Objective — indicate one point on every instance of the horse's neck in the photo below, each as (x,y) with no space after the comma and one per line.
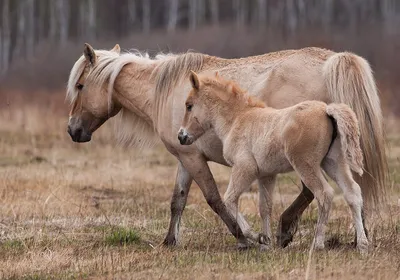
(134,90)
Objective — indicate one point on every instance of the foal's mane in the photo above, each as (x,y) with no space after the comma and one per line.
(233,89)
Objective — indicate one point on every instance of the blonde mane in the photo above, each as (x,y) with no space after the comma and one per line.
(234,89)
(170,73)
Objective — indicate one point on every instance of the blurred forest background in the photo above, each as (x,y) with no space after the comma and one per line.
(41,39)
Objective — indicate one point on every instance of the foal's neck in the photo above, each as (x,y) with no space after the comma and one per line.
(225,115)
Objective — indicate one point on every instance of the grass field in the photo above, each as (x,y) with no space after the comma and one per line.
(96,210)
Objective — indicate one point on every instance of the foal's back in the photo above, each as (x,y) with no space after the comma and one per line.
(279,137)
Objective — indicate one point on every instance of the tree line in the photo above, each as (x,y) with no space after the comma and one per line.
(25,24)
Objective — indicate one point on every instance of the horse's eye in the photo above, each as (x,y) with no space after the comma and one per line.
(189,107)
(79,86)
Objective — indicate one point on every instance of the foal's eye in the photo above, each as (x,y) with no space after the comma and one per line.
(79,86)
(189,107)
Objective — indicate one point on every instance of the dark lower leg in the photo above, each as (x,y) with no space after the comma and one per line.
(178,203)
(290,217)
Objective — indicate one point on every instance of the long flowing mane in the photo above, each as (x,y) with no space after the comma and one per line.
(169,72)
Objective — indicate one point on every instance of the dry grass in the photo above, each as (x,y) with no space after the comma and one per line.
(95,210)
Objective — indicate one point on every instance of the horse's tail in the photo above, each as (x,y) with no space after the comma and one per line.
(349,80)
(349,133)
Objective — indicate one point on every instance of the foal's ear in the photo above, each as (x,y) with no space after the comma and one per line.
(194,80)
(89,54)
(116,49)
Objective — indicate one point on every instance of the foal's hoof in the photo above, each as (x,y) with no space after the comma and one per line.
(362,248)
(284,239)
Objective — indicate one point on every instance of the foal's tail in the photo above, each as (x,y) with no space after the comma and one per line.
(349,80)
(349,133)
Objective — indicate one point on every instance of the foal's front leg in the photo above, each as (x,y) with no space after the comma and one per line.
(241,179)
(178,203)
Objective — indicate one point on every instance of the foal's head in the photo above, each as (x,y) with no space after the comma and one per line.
(91,103)
(209,97)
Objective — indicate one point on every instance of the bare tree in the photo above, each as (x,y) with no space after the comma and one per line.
(6,37)
(192,14)
(214,11)
(63,13)
(173,15)
(146,21)
(262,12)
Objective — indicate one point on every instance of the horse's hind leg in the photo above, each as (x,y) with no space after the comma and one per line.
(341,174)
(323,192)
(266,188)
(290,217)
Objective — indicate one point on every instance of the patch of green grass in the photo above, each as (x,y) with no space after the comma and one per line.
(121,236)
(66,275)
(14,244)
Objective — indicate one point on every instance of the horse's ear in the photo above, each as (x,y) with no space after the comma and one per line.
(89,54)
(194,80)
(116,49)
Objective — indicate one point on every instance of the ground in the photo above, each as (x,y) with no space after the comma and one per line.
(99,211)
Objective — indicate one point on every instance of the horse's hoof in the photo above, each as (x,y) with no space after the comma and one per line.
(264,239)
(243,246)
(169,242)
(284,240)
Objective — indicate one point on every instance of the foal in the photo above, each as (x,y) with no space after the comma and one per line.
(261,142)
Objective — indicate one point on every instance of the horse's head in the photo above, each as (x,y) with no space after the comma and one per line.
(92,102)
(196,120)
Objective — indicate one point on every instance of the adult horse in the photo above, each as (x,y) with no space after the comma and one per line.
(148,95)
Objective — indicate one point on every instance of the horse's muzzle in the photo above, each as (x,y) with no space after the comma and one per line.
(79,134)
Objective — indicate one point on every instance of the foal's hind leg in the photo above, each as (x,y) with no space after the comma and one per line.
(323,192)
(341,174)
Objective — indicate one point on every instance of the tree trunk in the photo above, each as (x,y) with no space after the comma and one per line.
(262,13)
(214,12)
(63,13)
(173,15)
(146,16)
(21,27)
(192,14)
(30,32)
(6,37)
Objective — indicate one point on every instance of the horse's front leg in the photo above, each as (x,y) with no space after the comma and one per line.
(289,220)
(178,203)
(198,168)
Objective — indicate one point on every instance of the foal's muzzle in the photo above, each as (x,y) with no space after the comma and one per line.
(183,137)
